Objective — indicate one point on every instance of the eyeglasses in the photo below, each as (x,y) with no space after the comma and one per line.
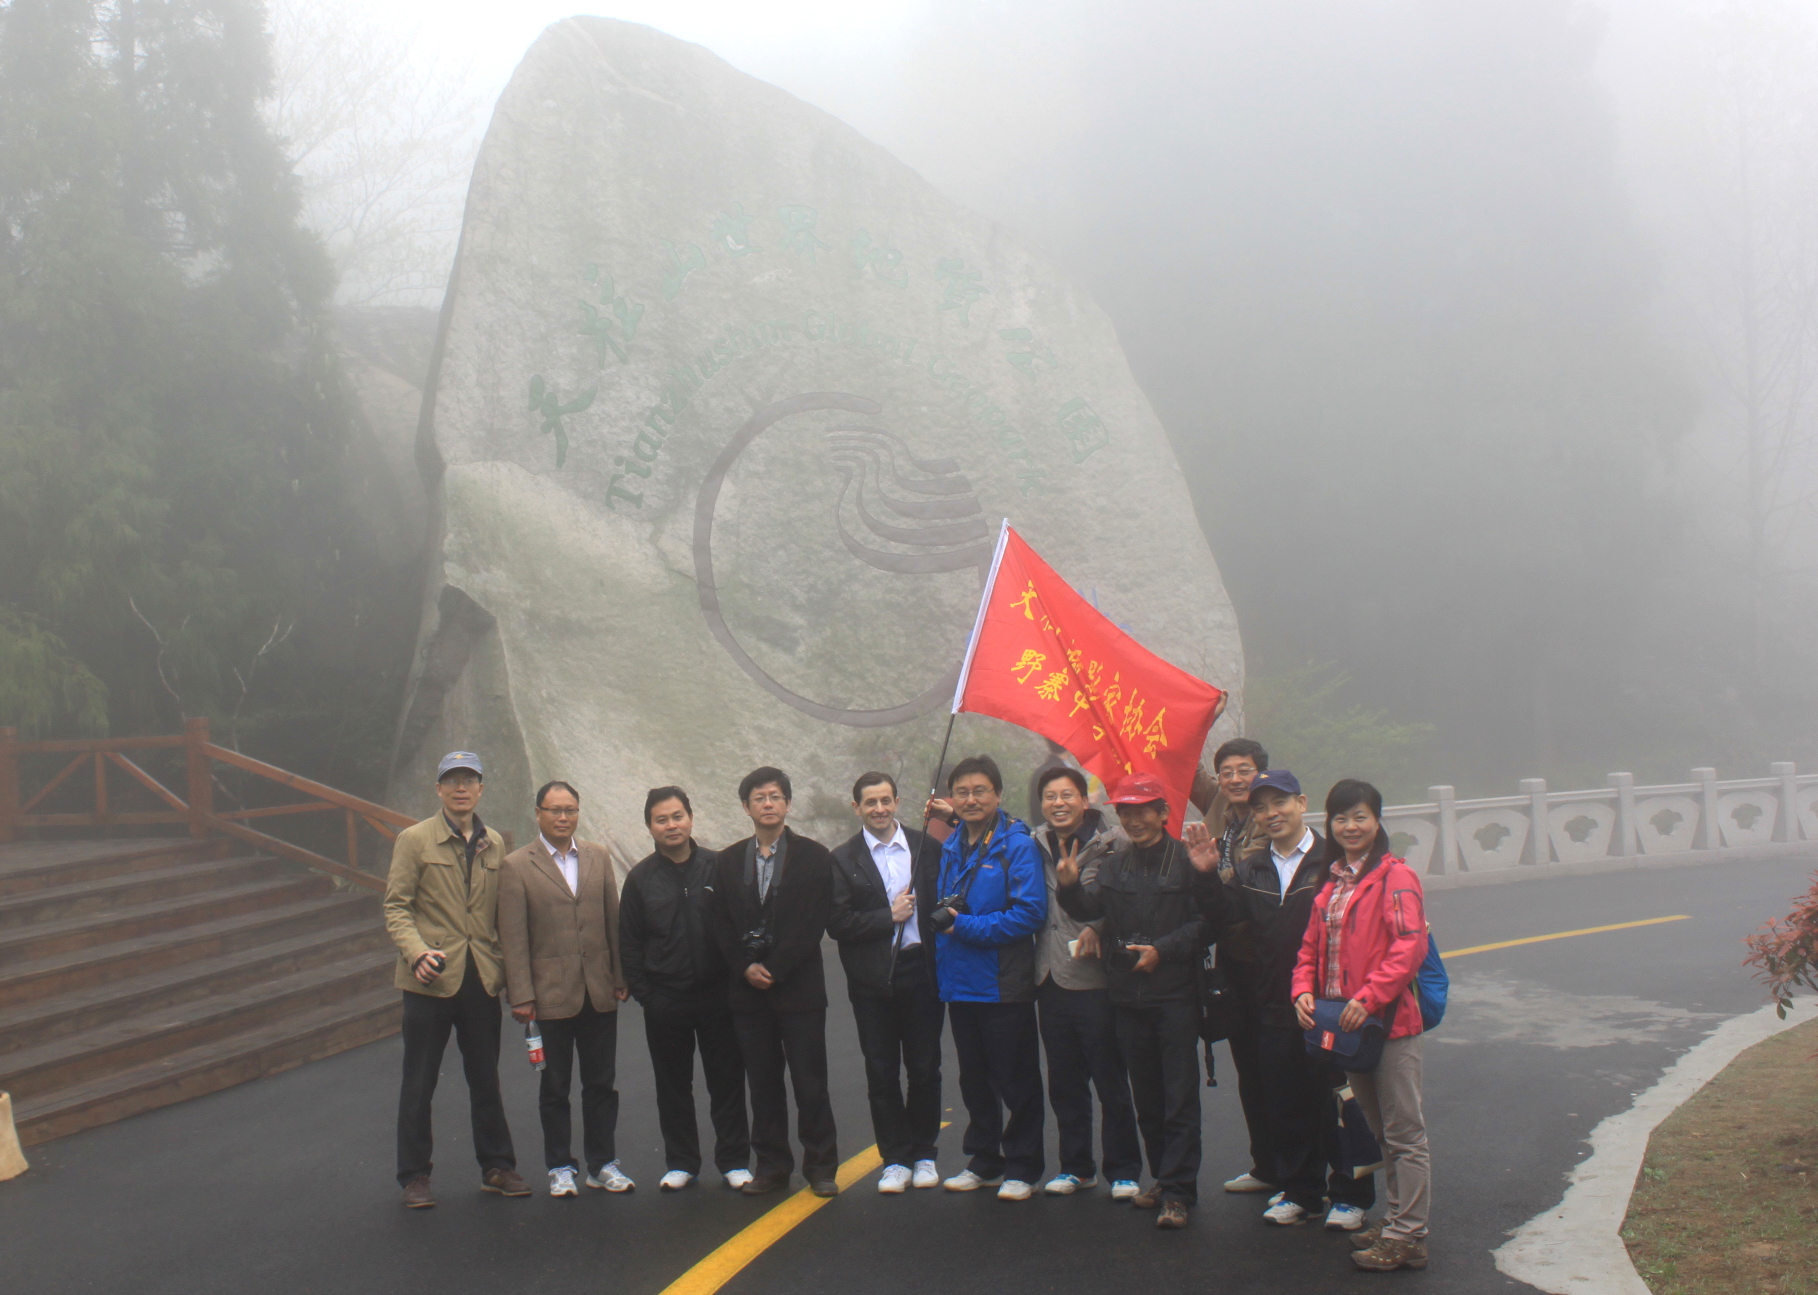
(460,782)
(559,811)
(1237,774)
(768,798)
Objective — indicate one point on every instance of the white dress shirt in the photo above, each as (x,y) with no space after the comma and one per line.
(569,863)
(1286,865)
(893,865)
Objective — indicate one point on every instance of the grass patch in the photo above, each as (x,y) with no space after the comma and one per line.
(1727,1200)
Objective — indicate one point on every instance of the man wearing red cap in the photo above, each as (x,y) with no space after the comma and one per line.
(1158,907)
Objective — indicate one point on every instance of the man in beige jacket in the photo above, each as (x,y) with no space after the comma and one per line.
(441,906)
(559,928)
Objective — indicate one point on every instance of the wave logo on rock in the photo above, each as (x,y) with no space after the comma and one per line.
(925,508)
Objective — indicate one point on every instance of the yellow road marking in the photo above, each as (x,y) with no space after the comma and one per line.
(729,1260)
(1562,935)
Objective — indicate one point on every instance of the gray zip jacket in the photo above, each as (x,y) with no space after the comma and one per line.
(1099,835)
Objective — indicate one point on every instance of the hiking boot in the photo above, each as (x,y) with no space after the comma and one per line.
(417,1195)
(504,1182)
(1367,1237)
(1173,1215)
(1149,1200)
(1390,1253)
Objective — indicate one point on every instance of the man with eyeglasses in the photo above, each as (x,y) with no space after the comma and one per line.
(558,926)
(772,900)
(441,910)
(1236,833)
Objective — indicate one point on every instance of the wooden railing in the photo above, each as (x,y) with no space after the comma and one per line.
(195,809)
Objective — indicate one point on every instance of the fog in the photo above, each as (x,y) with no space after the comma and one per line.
(1484,333)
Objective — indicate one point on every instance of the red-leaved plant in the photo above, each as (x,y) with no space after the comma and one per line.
(1785,953)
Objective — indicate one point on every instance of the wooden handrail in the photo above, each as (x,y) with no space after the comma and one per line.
(150,783)
(297,782)
(91,744)
(285,849)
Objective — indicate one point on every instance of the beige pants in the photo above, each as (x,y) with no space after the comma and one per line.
(1390,1097)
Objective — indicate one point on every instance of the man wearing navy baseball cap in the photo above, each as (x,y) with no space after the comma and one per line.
(1159,909)
(441,908)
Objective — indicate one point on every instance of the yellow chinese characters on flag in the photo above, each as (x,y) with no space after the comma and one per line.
(1043,657)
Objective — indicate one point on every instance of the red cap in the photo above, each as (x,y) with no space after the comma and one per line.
(1139,789)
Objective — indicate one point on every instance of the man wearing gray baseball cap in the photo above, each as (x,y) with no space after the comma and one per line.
(441,908)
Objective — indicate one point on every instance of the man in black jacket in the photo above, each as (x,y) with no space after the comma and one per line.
(884,881)
(1154,904)
(678,975)
(1273,890)
(772,899)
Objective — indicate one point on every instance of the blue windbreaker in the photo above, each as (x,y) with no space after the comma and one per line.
(989,954)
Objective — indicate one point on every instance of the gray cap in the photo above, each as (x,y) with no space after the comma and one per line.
(459,760)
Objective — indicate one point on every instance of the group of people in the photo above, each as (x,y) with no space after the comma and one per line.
(1096,938)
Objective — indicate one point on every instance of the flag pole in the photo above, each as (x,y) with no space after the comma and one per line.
(959,688)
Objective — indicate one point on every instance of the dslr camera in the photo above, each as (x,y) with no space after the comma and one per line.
(1127,956)
(758,943)
(954,905)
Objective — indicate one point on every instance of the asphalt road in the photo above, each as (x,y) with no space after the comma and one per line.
(286,1184)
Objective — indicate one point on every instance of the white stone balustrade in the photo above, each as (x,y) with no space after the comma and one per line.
(1447,836)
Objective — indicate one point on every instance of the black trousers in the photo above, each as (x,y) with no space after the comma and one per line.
(1000,1066)
(473,1015)
(594,1037)
(1303,1118)
(898,1034)
(1252,1095)
(769,1040)
(1079,1035)
(673,1032)
(1160,1044)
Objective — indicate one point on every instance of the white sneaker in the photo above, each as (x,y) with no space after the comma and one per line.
(1125,1189)
(1247,1183)
(1285,1214)
(737,1178)
(610,1179)
(1015,1189)
(561,1182)
(1067,1184)
(1344,1218)
(675,1180)
(967,1181)
(895,1180)
(926,1174)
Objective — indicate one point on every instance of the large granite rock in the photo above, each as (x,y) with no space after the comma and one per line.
(728,406)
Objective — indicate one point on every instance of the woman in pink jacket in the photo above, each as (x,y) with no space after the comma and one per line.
(1364,946)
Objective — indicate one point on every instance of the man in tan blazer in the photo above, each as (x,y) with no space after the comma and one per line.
(559,928)
(441,905)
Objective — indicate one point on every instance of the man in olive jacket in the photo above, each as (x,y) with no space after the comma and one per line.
(441,909)
(559,926)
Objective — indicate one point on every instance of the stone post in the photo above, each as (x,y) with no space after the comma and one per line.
(1624,838)
(1539,848)
(1445,851)
(1786,825)
(201,774)
(1709,835)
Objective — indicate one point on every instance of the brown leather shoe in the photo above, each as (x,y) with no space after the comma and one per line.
(826,1187)
(1173,1215)
(764,1186)
(504,1182)
(1149,1200)
(1390,1253)
(1366,1238)
(417,1195)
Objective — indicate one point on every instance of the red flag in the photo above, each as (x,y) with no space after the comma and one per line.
(1043,657)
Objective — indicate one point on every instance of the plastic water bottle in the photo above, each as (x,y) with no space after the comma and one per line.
(533,1040)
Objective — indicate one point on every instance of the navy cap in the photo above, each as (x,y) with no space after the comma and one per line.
(1279,779)
(458,760)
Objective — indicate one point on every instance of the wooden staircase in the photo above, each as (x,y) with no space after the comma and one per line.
(137,973)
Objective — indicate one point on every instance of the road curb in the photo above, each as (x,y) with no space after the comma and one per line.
(1576,1247)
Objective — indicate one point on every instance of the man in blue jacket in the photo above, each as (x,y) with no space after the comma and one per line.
(992,899)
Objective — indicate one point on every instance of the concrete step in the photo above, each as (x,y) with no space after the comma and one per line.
(108,894)
(85,930)
(209,1067)
(33,865)
(74,1011)
(59,973)
(128,1042)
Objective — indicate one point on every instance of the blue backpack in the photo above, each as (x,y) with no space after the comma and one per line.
(1430,986)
